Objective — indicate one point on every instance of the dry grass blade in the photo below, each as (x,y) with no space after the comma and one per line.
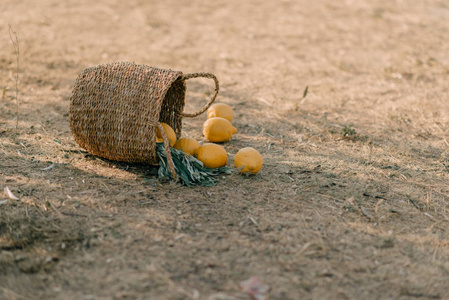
(15,43)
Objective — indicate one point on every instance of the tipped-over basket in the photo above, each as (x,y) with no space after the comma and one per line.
(115,109)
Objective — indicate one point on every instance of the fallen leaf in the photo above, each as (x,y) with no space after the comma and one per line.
(255,288)
(3,202)
(49,167)
(10,194)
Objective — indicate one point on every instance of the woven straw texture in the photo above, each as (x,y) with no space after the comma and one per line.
(115,109)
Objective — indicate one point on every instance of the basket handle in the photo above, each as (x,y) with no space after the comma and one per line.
(211,100)
(171,165)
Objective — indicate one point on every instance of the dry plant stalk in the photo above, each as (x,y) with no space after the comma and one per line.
(15,43)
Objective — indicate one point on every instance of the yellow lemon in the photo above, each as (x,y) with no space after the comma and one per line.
(218,129)
(220,110)
(169,132)
(248,160)
(212,155)
(187,145)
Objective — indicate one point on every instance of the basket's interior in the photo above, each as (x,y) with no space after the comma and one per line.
(172,104)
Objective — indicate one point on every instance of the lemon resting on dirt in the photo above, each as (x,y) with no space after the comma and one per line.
(248,160)
(212,155)
(218,129)
(220,110)
(187,145)
(169,132)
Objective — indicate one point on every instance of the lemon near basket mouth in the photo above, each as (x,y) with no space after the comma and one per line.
(248,160)
(187,145)
(169,132)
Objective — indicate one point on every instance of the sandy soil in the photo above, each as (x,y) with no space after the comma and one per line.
(352,201)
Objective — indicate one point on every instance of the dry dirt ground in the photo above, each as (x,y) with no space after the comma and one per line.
(352,201)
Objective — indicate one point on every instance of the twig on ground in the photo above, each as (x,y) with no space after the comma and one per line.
(73,214)
(365,213)
(420,295)
(54,208)
(414,203)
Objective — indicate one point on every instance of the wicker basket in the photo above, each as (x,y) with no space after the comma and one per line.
(115,109)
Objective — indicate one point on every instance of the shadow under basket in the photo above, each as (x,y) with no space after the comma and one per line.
(115,109)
